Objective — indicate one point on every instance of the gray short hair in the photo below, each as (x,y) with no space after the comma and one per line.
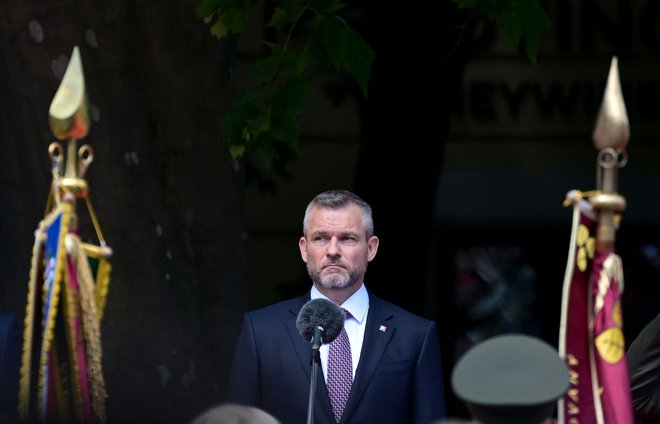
(337,199)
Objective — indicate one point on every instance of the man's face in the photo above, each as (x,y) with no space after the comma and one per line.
(336,249)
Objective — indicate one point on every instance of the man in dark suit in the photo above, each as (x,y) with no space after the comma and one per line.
(643,359)
(10,363)
(394,358)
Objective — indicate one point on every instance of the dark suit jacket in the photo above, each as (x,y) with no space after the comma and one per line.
(643,359)
(398,379)
(10,363)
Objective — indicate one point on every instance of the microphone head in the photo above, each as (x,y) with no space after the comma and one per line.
(320,312)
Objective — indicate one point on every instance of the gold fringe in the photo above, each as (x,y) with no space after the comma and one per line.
(34,285)
(102,285)
(92,332)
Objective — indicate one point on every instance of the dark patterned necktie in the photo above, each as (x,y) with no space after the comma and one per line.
(340,371)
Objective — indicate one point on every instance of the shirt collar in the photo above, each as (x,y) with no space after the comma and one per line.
(357,304)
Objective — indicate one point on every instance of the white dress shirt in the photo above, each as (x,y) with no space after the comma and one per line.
(358,306)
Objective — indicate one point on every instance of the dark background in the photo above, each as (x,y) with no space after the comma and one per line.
(464,149)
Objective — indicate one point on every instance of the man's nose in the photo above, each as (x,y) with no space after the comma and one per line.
(333,247)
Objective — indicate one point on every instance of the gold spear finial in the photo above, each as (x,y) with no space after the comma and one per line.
(612,128)
(610,136)
(68,113)
(68,117)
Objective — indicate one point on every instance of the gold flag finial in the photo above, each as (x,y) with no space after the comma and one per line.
(68,113)
(611,134)
(68,117)
(612,128)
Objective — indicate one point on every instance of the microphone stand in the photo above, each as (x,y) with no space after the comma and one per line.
(316,363)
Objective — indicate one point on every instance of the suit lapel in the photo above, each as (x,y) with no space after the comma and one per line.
(377,335)
(302,348)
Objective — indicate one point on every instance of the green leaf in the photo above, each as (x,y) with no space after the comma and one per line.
(231,127)
(257,124)
(263,120)
(509,23)
(523,19)
(286,132)
(208,7)
(286,12)
(292,95)
(333,42)
(219,29)
(246,99)
(519,20)
(236,151)
(231,15)
(280,18)
(305,60)
(265,69)
(359,59)
(235,18)
(466,4)
(532,27)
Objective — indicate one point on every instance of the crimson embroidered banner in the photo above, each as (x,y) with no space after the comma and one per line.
(590,336)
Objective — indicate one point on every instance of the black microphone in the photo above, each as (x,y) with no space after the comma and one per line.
(319,321)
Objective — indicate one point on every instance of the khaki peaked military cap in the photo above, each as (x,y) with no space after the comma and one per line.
(510,379)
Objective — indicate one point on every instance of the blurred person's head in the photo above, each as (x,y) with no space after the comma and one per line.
(230,413)
(511,378)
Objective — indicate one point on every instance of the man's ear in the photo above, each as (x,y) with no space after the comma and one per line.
(372,247)
(302,244)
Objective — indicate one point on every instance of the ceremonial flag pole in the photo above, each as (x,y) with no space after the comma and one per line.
(61,378)
(591,329)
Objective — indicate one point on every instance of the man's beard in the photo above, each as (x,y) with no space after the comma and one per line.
(335,280)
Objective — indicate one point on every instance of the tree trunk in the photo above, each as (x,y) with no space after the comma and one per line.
(413,89)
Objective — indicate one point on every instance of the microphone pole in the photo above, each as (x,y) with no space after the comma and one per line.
(316,364)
